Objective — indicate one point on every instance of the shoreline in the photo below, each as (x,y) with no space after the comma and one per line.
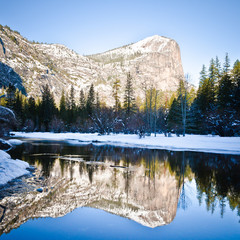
(196,143)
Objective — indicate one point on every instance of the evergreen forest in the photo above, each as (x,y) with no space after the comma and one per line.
(213,108)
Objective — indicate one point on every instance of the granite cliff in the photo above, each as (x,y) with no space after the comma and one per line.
(153,61)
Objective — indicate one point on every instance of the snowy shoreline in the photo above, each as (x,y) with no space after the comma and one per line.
(10,168)
(199,143)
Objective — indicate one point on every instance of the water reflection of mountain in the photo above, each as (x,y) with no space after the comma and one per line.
(146,190)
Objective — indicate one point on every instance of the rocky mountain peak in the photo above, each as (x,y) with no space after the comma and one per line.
(151,44)
(154,60)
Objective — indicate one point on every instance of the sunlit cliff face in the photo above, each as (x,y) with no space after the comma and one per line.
(152,61)
(145,192)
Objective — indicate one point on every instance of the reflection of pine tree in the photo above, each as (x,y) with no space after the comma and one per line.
(184,200)
(199,195)
(90,170)
(222,203)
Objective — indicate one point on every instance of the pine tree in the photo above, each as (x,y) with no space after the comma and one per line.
(90,105)
(225,92)
(129,100)
(32,109)
(202,93)
(195,119)
(47,107)
(236,89)
(10,96)
(62,107)
(226,65)
(82,105)
(82,100)
(18,107)
(212,83)
(182,95)
(97,102)
(218,67)
(72,106)
(203,76)
(30,114)
(174,119)
(207,88)
(72,99)
(225,87)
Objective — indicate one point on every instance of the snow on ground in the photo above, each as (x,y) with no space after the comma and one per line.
(10,168)
(200,143)
(15,141)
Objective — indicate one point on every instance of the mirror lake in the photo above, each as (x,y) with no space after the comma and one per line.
(94,191)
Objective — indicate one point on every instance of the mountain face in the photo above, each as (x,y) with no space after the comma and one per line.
(154,61)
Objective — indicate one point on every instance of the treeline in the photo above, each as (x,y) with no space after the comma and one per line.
(216,108)
(83,113)
(212,109)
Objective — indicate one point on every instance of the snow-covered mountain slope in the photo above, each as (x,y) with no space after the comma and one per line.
(153,61)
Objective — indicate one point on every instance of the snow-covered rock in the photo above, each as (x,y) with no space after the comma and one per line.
(15,141)
(10,168)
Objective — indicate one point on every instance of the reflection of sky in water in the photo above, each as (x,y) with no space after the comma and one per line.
(165,171)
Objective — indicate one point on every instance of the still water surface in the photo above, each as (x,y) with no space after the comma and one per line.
(105,192)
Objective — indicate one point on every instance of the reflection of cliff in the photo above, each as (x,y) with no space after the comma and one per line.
(146,195)
(146,191)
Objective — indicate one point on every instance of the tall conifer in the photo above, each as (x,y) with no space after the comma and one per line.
(129,99)
(90,101)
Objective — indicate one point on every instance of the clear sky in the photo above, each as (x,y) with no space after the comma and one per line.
(203,28)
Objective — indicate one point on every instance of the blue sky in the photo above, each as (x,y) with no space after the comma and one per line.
(203,29)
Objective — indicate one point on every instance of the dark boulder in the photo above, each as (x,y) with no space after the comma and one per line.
(4,145)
